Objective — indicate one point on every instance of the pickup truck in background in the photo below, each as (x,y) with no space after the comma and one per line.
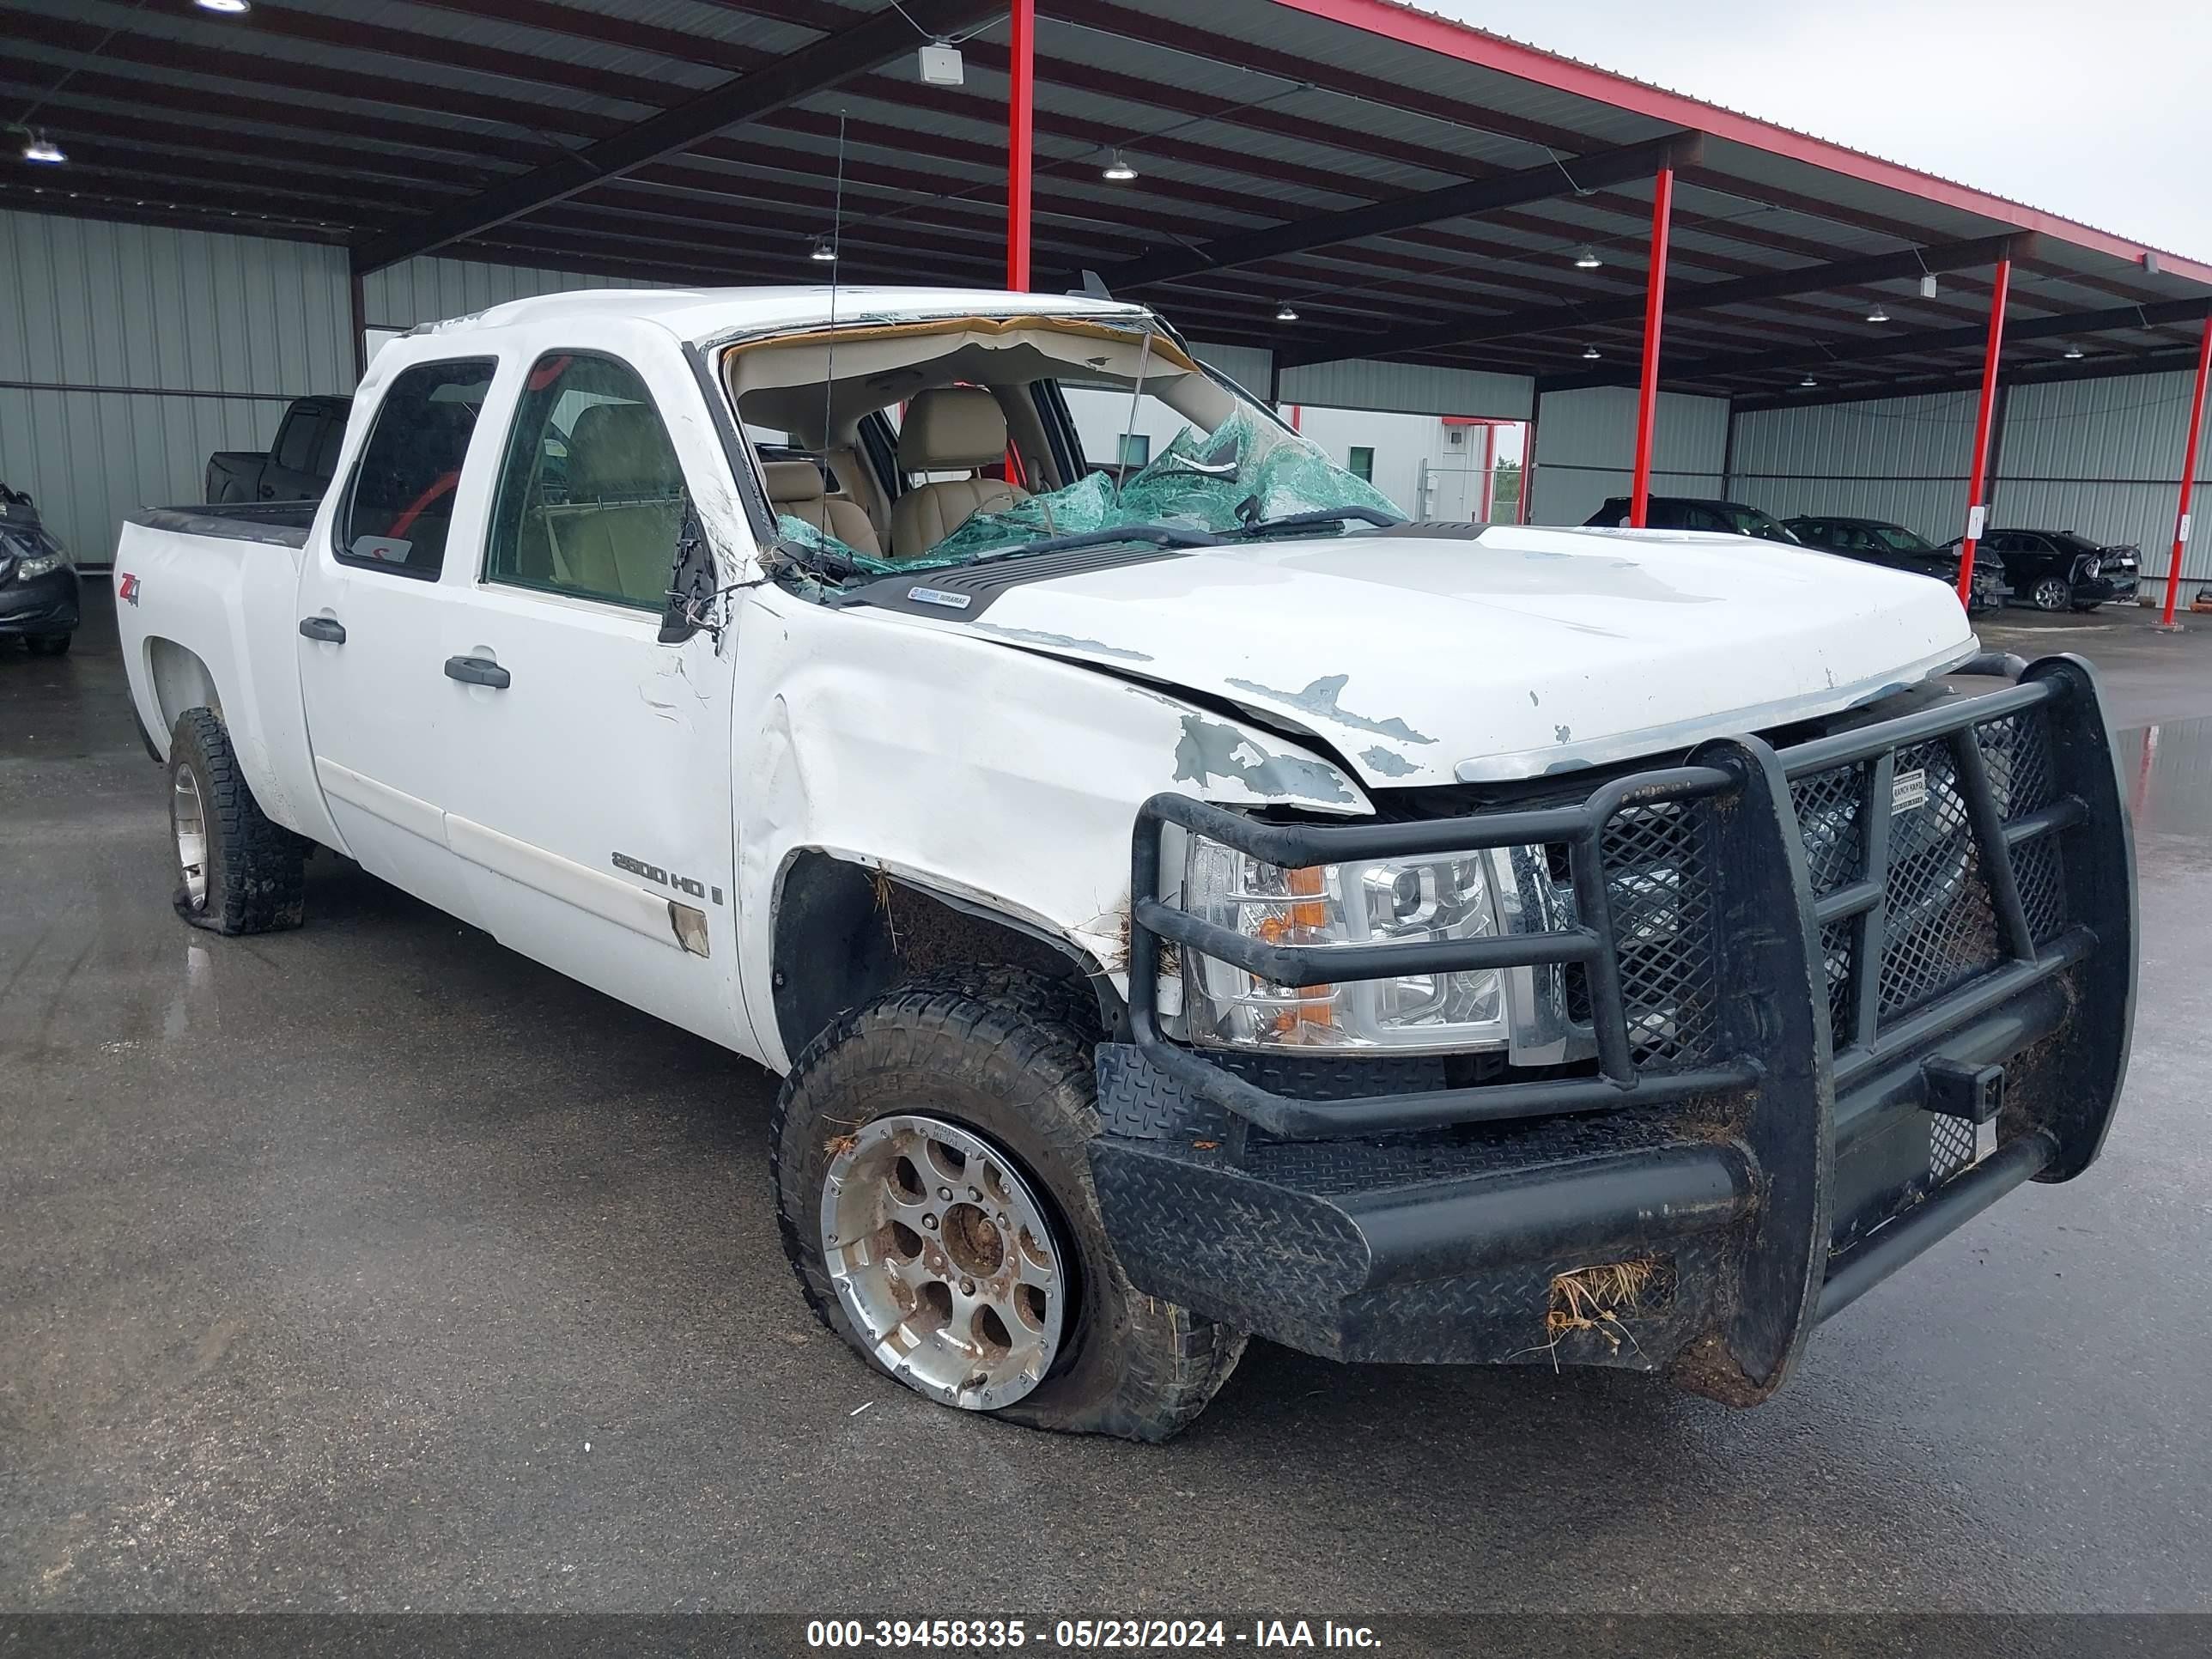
(1183,902)
(297,467)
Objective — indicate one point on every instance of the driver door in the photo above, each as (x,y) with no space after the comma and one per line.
(592,795)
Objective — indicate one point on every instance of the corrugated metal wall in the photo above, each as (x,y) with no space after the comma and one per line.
(1586,449)
(431,289)
(1901,460)
(2100,456)
(1248,366)
(1406,388)
(128,352)
(2104,457)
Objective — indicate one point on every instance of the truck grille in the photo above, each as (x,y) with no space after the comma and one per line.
(1940,921)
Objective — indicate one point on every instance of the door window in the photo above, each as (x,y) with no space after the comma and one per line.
(591,497)
(1360,462)
(399,507)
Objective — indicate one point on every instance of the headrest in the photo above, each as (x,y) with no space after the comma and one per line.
(618,450)
(792,481)
(951,427)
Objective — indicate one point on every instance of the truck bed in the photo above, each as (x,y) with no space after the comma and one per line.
(279,524)
(207,616)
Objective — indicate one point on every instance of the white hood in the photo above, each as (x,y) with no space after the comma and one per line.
(1518,653)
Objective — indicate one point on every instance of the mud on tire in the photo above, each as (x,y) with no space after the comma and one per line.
(1006,1055)
(254,869)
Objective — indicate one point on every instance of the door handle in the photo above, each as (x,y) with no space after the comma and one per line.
(267,492)
(329,629)
(478,670)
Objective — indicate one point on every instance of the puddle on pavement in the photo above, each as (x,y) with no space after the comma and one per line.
(2166,771)
(193,1004)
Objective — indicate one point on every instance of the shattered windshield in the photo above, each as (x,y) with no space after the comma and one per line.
(1189,459)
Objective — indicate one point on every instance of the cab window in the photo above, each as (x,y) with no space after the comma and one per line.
(399,505)
(590,496)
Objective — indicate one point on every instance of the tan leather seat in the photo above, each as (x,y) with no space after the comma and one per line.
(617,535)
(795,488)
(951,428)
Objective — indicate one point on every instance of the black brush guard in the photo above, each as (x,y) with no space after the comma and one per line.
(1878,980)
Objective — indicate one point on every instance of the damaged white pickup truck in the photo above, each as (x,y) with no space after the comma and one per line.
(1184,900)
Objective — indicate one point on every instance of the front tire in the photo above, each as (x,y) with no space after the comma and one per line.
(940,1094)
(236,871)
(49,645)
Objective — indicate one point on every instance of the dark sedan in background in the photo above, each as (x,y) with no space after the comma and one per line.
(38,583)
(1693,513)
(1872,541)
(2055,570)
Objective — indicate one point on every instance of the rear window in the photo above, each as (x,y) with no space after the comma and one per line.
(400,507)
(295,439)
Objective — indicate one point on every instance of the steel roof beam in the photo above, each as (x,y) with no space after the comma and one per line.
(1847,353)
(1706,296)
(1473,196)
(828,62)
(1933,385)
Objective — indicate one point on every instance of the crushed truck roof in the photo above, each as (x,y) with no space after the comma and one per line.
(698,315)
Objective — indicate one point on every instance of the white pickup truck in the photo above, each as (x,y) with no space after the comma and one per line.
(1184,900)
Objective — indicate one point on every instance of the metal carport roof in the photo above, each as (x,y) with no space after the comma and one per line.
(1415,190)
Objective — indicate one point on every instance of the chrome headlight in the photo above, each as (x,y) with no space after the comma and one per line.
(1428,899)
(41,565)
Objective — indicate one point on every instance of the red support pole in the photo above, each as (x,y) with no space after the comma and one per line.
(1979,468)
(1655,303)
(1021,100)
(2188,475)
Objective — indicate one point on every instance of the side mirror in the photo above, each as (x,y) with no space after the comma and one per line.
(691,588)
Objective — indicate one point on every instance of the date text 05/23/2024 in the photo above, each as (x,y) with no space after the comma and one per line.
(1085,1635)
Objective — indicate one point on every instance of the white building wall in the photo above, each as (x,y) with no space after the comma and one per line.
(1586,449)
(430,290)
(2100,456)
(1902,460)
(2104,457)
(1408,388)
(128,353)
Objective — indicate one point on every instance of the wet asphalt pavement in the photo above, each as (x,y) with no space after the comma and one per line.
(373,1267)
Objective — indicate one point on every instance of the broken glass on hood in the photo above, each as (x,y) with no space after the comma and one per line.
(1238,477)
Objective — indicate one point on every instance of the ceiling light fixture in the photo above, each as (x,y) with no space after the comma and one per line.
(1928,286)
(1808,381)
(825,250)
(228,8)
(1877,315)
(1591,354)
(1118,170)
(2072,350)
(1586,258)
(37,147)
(1286,313)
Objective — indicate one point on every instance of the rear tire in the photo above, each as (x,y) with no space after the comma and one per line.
(49,645)
(1005,1056)
(2052,594)
(237,871)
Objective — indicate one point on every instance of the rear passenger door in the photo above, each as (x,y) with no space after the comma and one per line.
(375,603)
(592,800)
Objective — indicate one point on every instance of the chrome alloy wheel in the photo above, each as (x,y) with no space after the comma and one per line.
(2052,594)
(945,1262)
(188,827)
